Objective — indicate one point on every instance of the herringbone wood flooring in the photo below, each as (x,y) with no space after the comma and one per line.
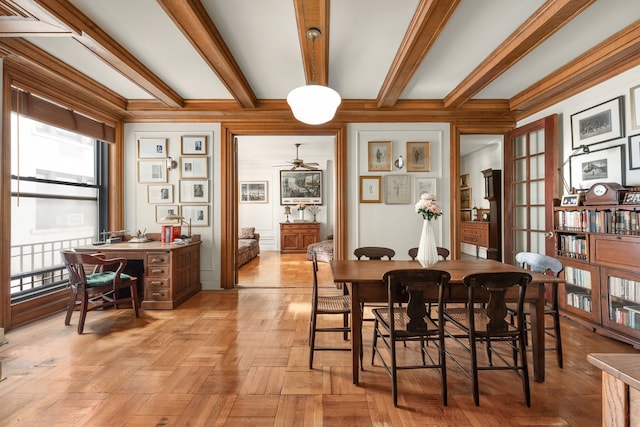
(239,358)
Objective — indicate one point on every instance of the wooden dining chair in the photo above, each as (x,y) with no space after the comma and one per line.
(104,287)
(442,252)
(484,319)
(326,305)
(405,319)
(374,252)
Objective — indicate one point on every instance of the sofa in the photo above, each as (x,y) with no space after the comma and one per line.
(323,250)
(248,245)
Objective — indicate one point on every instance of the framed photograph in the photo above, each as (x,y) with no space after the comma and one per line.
(199,214)
(464,180)
(635,107)
(601,123)
(193,145)
(150,171)
(465,198)
(424,185)
(253,192)
(599,165)
(370,189)
(152,148)
(160,193)
(164,210)
(193,167)
(571,199)
(379,156)
(397,189)
(300,186)
(418,156)
(634,152)
(631,198)
(194,191)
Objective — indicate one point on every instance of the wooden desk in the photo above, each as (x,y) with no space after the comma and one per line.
(171,272)
(364,279)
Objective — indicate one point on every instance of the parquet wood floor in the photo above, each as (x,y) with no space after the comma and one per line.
(239,358)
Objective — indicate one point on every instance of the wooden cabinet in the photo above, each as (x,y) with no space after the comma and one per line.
(475,233)
(296,236)
(600,248)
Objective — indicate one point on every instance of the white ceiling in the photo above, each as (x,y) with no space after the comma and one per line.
(262,36)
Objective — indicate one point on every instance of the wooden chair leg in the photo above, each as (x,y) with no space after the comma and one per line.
(556,329)
(84,306)
(71,306)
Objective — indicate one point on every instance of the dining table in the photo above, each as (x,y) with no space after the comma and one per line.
(364,280)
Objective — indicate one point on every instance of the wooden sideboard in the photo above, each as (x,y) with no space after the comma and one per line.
(171,272)
(475,233)
(296,236)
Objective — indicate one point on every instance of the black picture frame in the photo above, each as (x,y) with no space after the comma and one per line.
(604,165)
(634,152)
(600,123)
(304,186)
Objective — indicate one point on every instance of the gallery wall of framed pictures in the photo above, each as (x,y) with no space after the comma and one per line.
(176,186)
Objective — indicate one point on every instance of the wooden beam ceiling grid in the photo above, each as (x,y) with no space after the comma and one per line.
(314,14)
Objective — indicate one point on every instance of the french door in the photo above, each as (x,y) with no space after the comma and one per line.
(529,188)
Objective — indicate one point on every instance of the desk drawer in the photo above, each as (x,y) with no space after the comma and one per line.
(158,258)
(158,271)
(157,289)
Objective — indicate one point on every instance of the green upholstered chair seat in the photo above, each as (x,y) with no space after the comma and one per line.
(104,278)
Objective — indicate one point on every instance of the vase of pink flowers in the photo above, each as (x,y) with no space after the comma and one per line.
(429,209)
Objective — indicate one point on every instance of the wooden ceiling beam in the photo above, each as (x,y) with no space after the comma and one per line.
(314,14)
(428,22)
(548,19)
(195,24)
(99,42)
(613,56)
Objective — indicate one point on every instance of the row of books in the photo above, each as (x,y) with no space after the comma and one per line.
(619,222)
(577,277)
(169,233)
(572,243)
(628,316)
(579,300)
(624,288)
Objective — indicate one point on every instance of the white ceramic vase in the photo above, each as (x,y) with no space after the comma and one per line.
(427,251)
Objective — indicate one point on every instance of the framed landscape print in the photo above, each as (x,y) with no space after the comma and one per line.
(370,189)
(397,189)
(160,193)
(418,156)
(150,171)
(193,167)
(301,186)
(606,165)
(193,145)
(601,123)
(198,214)
(194,191)
(253,192)
(152,148)
(379,156)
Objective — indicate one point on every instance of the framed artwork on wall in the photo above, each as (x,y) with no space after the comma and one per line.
(193,167)
(198,214)
(424,185)
(418,156)
(160,193)
(605,165)
(152,148)
(193,145)
(635,107)
(379,156)
(194,191)
(634,152)
(597,124)
(165,210)
(300,186)
(253,192)
(151,171)
(397,189)
(370,189)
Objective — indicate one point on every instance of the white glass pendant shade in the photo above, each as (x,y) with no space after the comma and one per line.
(314,104)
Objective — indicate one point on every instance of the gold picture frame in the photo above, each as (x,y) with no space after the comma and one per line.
(371,189)
(418,157)
(379,156)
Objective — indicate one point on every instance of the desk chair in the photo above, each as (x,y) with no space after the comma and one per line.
(100,289)
(484,319)
(443,252)
(544,264)
(411,322)
(326,305)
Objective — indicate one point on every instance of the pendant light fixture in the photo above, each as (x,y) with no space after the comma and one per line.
(313,104)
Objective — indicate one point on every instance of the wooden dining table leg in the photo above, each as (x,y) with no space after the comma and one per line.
(537,337)
(356,331)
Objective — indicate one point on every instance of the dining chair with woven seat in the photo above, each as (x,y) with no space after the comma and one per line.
(442,252)
(326,305)
(411,322)
(540,263)
(104,287)
(484,319)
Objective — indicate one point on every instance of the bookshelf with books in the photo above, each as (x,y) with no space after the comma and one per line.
(600,249)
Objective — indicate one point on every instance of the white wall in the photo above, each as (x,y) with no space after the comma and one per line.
(392,225)
(487,157)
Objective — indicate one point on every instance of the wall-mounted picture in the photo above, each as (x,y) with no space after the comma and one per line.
(199,214)
(166,210)
(424,185)
(634,152)
(194,191)
(464,180)
(635,107)
(193,145)
(301,186)
(152,148)
(150,171)
(160,193)
(606,164)
(601,123)
(397,189)
(370,189)
(418,156)
(253,192)
(379,156)
(193,167)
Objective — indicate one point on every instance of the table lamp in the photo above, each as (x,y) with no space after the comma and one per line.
(180,220)
(287,212)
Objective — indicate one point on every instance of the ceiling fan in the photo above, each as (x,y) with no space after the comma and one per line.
(298,163)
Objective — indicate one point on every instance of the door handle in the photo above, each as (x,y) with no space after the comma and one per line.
(548,234)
